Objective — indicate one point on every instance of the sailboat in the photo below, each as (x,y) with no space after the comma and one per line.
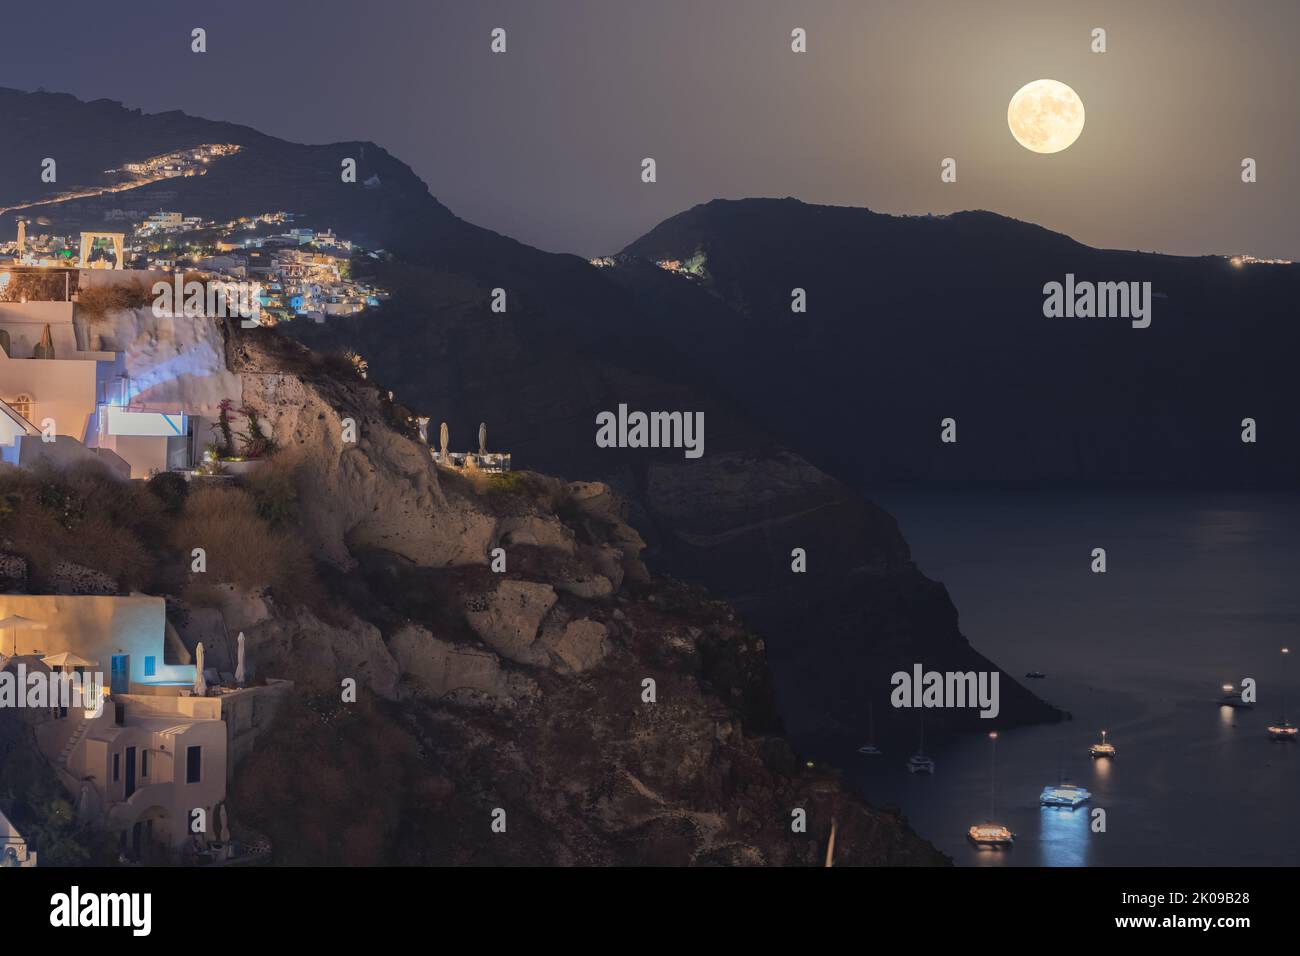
(919,762)
(869,749)
(1283,729)
(992,835)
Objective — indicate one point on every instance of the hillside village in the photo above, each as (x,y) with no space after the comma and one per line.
(129,395)
(295,270)
(132,392)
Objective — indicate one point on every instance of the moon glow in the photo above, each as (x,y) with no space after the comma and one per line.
(1045,116)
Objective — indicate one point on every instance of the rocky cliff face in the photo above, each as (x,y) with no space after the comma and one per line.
(613,717)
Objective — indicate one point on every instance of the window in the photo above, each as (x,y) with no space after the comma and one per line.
(117,767)
(23,406)
(144,763)
(150,666)
(193,764)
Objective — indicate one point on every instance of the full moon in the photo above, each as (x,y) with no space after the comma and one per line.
(1045,116)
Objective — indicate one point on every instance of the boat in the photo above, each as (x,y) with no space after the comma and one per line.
(1103,748)
(1036,675)
(869,749)
(1064,795)
(993,835)
(920,763)
(1283,730)
(1232,698)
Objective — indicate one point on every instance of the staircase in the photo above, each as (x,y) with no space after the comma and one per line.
(73,741)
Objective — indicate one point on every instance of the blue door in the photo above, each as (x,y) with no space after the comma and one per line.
(120,675)
(130,773)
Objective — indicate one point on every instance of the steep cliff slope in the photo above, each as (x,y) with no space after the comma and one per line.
(612,716)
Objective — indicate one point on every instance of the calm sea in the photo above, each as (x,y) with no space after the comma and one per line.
(1200,590)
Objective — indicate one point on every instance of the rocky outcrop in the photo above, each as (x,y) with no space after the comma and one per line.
(543,531)
(177,363)
(294,644)
(579,646)
(361,483)
(441,669)
(508,618)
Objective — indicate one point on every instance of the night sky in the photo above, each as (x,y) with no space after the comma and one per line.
(544,143)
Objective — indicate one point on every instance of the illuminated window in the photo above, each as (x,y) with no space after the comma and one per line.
(23,406)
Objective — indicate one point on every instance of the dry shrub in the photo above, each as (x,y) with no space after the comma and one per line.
(107,547)
(97,301)
(300,786)
(86,516)
(241,547)
(49,286)
(275,487)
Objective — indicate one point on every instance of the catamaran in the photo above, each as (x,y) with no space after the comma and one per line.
(1103,748)
(920,763)
(992,835)
(1284,730)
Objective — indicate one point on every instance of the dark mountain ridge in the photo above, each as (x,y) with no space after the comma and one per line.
(914,319)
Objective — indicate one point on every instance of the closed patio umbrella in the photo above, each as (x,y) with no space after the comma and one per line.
(83,803)
(200,684)
(239,662)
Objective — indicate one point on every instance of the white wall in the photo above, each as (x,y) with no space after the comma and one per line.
(95,627)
